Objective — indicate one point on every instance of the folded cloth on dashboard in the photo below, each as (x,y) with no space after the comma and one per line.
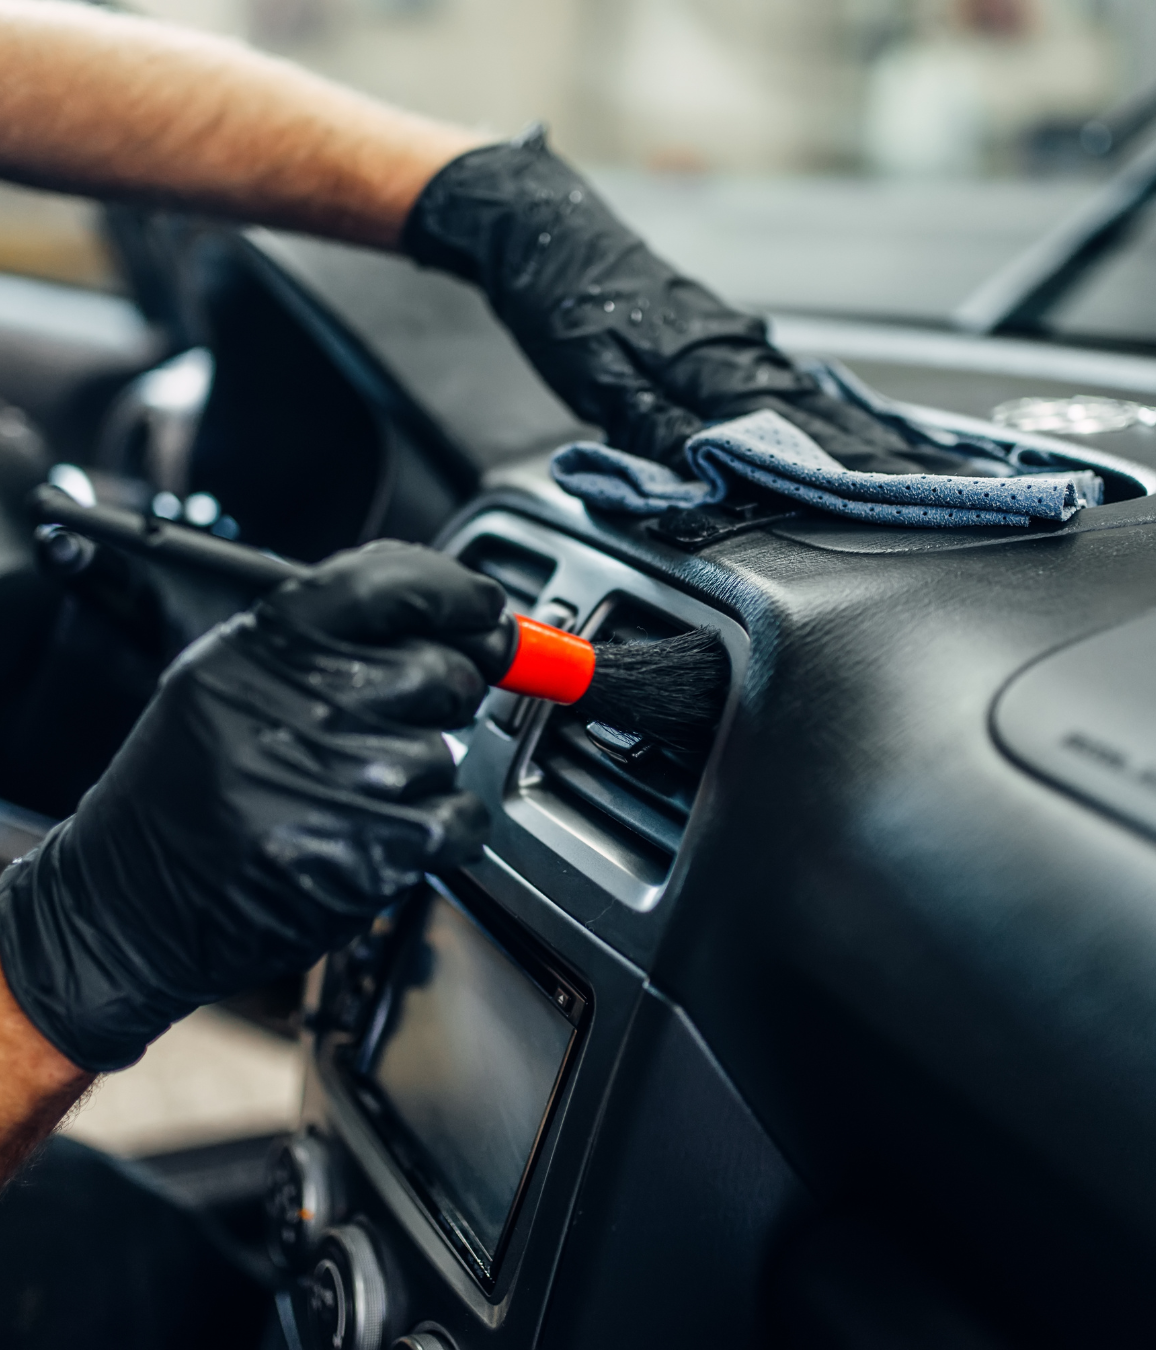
(615,481)
(764,451)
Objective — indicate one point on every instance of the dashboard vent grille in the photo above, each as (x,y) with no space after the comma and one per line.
(643,804)
(522,573)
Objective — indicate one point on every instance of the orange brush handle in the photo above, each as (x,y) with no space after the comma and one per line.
(549,663)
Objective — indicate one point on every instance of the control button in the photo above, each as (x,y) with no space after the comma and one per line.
(624,747)
(345,1297)
(421,1340)
(300,1197)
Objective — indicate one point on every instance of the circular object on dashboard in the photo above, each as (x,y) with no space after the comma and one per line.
(345,1294)
(1084,415)
(421,1340)
(300,1200)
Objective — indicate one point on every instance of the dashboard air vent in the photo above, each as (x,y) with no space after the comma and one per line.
(638,796)
(522,573)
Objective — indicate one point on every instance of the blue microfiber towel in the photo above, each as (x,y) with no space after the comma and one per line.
(616,481)
(766,451)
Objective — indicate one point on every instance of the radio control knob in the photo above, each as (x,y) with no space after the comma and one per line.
(300,1197)
(421,1340)
(345,1295)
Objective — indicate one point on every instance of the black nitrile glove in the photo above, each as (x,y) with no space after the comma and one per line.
(287,781)
(632,346)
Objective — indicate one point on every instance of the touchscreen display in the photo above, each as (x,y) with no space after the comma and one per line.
(468,1061)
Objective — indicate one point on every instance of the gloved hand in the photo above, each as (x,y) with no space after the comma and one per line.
(287,781)
(632,346)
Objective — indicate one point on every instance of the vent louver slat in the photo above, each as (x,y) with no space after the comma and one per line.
(661,784)
(599,790)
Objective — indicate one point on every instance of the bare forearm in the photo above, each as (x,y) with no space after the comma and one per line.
(123,107)
(37,1085)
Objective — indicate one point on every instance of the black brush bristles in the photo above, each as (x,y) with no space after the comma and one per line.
(672,691)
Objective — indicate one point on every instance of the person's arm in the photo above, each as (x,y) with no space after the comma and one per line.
(633,345)
(124,107)
(37,1085)
(128,108)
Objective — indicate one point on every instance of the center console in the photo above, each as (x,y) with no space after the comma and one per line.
(505,1122)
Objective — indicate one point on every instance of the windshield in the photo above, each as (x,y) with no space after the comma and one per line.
(856,157)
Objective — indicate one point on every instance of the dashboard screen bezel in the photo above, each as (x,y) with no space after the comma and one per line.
(556,984)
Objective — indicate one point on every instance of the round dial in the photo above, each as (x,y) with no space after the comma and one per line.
(299,1198)
(421,1340)
(345,1297)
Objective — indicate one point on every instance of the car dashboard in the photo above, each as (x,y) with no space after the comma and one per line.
(840,1034)
(772,989)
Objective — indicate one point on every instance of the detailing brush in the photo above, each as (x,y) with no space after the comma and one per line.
(671,690)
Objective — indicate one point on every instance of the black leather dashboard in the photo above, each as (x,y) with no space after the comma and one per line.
(928,971)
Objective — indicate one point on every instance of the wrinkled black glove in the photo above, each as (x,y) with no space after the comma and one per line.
(287,781)
(632,346)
